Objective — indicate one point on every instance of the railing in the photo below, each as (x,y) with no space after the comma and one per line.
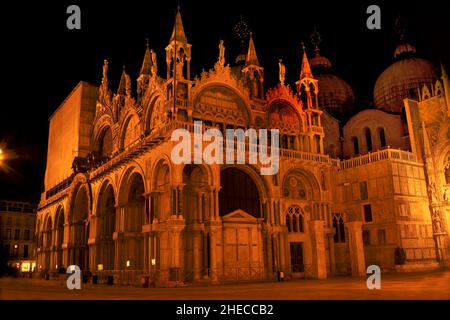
(307,156)
(137,145)
(164,131)
(386,154)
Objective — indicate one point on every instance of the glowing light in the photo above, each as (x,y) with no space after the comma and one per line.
(153,262)
(25,267)
(100,267)
(128,263)
(16,246)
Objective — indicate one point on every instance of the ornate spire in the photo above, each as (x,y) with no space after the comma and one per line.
(178,52)
(147,63)
(306,68)
(178,28)
(252,58)
(122,89)
(307,86)
(254,72)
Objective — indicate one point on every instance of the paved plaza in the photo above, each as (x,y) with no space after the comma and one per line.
(430,285)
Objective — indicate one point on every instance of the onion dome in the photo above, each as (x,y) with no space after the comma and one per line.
(402,79)
(320,63)
(335,94)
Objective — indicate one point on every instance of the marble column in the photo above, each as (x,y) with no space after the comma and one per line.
(319,265)
(213,256)
(332,255)
(356,248)
(197,257)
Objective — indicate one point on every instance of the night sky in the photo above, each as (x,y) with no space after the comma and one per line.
(43,60)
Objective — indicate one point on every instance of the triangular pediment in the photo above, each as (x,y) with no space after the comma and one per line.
(238,214)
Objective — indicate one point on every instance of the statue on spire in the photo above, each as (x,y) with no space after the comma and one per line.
(154,62)
(105,73)
(221,53)
(127,85)
(282,72)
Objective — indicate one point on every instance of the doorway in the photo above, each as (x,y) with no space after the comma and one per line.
(297,257)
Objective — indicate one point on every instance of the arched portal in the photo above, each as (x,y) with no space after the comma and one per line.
(105,143)
(195,194)
(80,251)
(131,219)
(162,188)
(59,234)
(239,206)
(238,191)
(197,208)
(48,242)
(106,224)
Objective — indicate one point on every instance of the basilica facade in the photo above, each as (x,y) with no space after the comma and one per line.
(373,190)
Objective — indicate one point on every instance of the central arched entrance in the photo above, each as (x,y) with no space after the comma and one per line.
(240,209)
(238,191)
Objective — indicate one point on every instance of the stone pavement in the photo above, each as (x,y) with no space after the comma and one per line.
(429,285)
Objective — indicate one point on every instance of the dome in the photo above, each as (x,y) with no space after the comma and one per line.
(402,79)
(335,95)
(320,62)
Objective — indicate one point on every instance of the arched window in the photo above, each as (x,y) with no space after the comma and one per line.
(106,143)
(355,145)
(291,142)
(368,135)
(294,223)
(317,141)
(284,142)
(339,229)
(294,219)
(289,222)
(382,137)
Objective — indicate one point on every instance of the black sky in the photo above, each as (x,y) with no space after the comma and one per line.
(43,60)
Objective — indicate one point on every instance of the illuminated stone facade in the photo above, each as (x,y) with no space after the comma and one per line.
(17,240)
(116,204)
